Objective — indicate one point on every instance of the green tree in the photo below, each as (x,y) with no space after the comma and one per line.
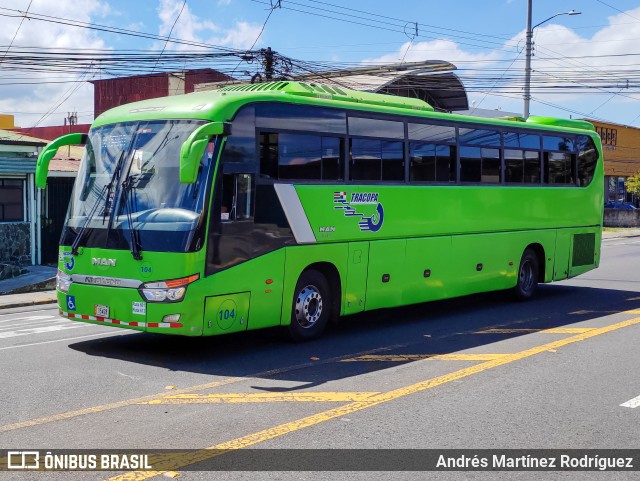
(633,184)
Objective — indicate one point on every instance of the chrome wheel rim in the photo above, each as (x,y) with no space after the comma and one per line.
(308,306)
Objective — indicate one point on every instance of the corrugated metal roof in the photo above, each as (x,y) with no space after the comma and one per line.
(17,165)
(9,137)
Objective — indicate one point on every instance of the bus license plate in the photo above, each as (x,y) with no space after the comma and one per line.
(101,311)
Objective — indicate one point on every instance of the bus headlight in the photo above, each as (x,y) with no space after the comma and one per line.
(63,281)
(167,291)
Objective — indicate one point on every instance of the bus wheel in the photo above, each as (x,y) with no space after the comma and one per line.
(527,281)
(311,307)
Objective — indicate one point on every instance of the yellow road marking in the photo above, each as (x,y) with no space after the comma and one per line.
(420,357)
(174,462)
(553,330)
(142,399)
(266,397)
(114,405)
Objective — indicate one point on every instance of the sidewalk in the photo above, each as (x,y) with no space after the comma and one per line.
(27,299)
(35,287)
(619,232)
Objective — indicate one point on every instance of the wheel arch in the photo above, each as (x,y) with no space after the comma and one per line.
(331,273)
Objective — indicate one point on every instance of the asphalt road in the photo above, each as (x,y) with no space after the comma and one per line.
(476,373)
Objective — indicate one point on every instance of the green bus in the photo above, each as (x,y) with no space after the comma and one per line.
(291,204)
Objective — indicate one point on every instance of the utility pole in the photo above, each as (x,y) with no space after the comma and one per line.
(529,50)
(268,63)
(527,66)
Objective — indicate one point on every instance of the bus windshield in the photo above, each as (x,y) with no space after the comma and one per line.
(128,188)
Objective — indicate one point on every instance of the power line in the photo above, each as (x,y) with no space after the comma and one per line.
(17,30)
(170,32)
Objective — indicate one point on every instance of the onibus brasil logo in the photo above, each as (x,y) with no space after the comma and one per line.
(350,207)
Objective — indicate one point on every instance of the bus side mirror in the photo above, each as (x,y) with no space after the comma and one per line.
(193,148)
(42,165)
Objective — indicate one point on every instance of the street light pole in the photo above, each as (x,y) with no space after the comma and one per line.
(529,49)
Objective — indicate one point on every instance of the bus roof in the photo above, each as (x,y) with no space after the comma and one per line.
(222,104)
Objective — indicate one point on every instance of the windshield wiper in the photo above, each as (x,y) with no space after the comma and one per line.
(127,187)
(83,229)
(114,178)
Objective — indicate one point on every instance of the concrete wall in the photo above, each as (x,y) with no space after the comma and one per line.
(15,248)
(621,218)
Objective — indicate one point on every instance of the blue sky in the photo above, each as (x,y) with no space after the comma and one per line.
(599,48)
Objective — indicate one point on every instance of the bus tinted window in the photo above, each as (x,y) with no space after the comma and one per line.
(241,144)
(470,164)
(441,134)
(587,160)
(392,161)
(558,168)
(376,128)
(479,165)
(532,167)
(520,140)
(299,117)
(521,166)
(488,138)
(332,158)
(299,156)
(269,155)
(558,144)
(432,163)
(490,165)
(376,160)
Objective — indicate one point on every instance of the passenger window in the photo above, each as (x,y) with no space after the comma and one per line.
(269,155)
(521,140)
(486,138)
(432,162)
(376,160)
(522,166)
(440,134)
(587,160)
(299,156)
(559,168)
(365,127)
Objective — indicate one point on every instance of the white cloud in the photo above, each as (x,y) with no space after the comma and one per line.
(41,97)
(440,49)
(190,27)
(561,56)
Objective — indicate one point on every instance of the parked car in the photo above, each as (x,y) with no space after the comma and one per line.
(614,204)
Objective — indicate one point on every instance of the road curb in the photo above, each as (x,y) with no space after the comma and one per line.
(37,302)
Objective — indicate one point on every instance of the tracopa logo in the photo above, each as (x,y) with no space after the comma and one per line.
(371,223)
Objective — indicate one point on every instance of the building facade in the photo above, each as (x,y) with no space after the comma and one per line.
(109,93)
(621,149)
(19,203)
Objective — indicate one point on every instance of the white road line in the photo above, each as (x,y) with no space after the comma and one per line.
(24,325)
(38,330)
(632,403)
(62,340)
(28,318)
(54,309)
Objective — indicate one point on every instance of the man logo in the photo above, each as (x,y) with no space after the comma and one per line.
(101,261)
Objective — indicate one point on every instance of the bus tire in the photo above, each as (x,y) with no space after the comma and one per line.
(527,279)
(311,306)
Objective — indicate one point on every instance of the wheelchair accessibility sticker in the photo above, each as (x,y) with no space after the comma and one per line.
(360,201)
(71,303)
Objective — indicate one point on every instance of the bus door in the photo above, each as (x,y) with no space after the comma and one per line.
(232,225)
